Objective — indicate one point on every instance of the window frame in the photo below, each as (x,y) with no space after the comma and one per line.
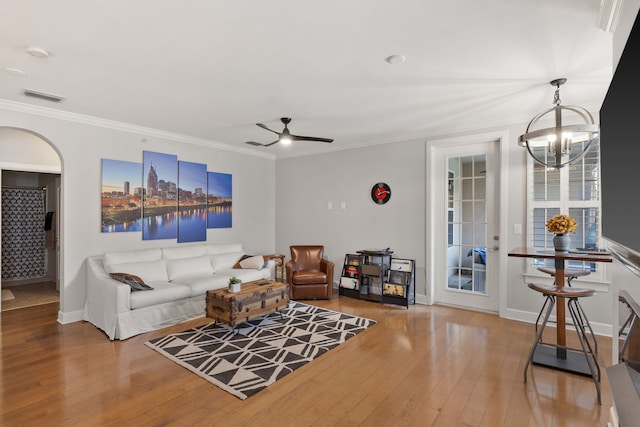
(564,204)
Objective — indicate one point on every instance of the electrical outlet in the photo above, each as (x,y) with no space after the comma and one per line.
(517,228)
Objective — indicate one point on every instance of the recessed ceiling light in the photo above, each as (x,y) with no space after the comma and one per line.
(15,71)
(396,59)
(38,52)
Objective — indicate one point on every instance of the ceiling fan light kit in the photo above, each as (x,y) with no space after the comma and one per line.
(286,137)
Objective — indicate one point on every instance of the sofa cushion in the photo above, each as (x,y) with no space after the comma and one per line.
(149,271)
(255,262)
(140,255)
(162,292)
(184,252)
(200,285)
(189,267)
(224,260)
(307,277)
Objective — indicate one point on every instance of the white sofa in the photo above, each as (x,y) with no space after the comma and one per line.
(180,277)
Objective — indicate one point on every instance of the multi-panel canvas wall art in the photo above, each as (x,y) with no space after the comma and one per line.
(164,198)
(219,200)
(192,202)
(121,196)
(160,198)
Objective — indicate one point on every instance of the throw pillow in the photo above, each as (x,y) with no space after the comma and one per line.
(254,262)
(135,282)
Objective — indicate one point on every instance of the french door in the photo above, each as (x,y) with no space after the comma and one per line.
(465,236)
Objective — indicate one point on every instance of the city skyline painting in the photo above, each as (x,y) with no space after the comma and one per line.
(219,200)
(192,202)
(160,196)
(121,196)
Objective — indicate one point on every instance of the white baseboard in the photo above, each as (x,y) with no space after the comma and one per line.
(70,317)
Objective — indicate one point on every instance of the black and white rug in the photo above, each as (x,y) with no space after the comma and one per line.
(256,354)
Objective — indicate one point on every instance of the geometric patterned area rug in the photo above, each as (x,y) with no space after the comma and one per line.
(254,355)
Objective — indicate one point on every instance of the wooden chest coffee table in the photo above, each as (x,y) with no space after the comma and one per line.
(255,299)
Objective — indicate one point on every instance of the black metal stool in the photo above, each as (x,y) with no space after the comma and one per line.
(580,322)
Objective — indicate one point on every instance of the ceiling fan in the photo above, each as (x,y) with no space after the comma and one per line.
(285,136)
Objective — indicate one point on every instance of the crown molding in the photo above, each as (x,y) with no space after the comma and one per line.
(609,15)
(125,127)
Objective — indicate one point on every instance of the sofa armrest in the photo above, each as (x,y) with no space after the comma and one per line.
(105,298)
(271,266)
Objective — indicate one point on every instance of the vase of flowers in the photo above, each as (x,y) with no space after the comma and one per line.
(561,226)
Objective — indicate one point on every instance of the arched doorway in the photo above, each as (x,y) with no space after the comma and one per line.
(30,174)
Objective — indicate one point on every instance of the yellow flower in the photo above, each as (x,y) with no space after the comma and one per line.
(561,224)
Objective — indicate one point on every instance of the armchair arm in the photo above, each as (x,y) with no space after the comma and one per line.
(327,267)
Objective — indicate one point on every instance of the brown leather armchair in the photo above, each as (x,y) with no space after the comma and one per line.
(309,275)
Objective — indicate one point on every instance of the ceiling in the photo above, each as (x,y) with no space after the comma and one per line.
(212,69)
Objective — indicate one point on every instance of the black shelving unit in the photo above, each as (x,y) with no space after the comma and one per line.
(400,284)
(351,276)
(374,267)
(374,275)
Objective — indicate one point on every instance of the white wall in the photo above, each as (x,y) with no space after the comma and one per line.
(305,186)
(81,145)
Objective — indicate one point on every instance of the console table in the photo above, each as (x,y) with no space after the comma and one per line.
(560,359)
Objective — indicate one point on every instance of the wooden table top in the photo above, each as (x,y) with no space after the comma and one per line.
(248,288)
(529,252)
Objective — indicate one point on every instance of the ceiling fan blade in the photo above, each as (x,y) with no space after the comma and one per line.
(257,144)
(266,128)
(310,138)
(271,143)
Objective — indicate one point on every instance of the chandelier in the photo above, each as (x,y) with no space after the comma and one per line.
(567,141)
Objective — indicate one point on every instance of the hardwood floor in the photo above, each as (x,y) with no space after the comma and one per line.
(426,366)
(29,294)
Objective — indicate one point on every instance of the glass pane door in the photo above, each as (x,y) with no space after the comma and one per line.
(467,223)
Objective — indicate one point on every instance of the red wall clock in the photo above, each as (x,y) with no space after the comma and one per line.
(380,193)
